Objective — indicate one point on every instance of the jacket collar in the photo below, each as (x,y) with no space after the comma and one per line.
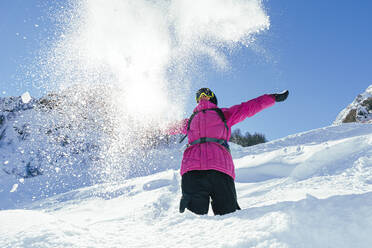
(204,104)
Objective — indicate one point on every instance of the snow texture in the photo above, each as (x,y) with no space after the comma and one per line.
(312,189)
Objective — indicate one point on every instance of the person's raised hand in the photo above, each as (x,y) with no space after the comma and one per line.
(280,97)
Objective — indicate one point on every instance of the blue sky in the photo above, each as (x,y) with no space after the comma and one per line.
(25,29)
(319,50)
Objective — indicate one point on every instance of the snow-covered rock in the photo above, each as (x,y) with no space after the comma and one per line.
(360,110)
(36,137)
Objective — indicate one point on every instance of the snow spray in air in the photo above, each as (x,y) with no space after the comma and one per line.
(126,65)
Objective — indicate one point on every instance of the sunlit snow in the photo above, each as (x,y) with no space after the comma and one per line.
(312,189)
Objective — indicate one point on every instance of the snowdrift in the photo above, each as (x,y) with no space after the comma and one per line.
(312,189)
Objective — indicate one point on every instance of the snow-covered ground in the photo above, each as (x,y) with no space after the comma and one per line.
(312,189)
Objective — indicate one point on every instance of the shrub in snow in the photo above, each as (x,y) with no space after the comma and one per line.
(247,139)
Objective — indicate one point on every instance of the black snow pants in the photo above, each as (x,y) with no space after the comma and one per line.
(199,186)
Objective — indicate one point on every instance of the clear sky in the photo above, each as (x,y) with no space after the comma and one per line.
(319,50)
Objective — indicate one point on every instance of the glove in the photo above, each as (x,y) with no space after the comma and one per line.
(280,97)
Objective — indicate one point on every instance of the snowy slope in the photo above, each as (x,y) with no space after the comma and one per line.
(312,189)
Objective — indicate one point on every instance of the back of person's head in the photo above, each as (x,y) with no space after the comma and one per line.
(208,93)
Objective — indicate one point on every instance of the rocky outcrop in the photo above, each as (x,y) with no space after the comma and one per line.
(55,133)
(360,110)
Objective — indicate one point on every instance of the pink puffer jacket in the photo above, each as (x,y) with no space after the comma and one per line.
(211,155)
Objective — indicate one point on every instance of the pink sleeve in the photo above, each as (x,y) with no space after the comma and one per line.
(240,112)
(177,128)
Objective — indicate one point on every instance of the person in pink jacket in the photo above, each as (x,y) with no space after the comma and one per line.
(207,167)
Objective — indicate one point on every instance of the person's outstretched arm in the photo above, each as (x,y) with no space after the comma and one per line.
(179,127)
(240,112)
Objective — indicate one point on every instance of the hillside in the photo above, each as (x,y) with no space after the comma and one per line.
(312,189)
